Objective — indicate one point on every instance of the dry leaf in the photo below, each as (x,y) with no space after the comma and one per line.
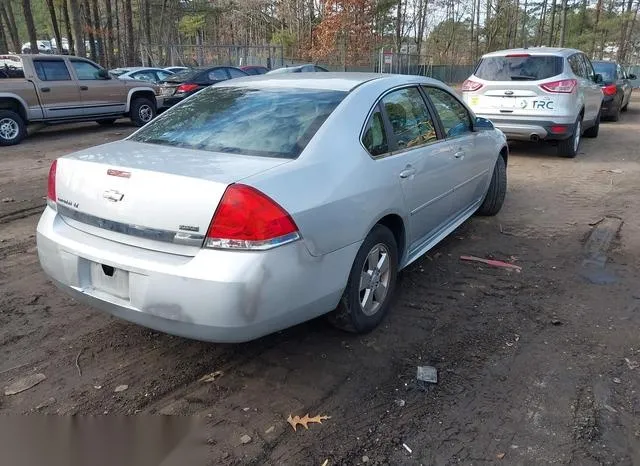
(305,420)
(211,377)
(500,455)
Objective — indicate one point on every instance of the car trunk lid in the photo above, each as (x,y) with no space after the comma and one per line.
(150,196)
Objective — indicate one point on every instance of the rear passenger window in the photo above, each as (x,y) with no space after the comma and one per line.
(410,120)
(453,115)
(218,75)
(235,73)
(52,70)
(577,65)
(375,136)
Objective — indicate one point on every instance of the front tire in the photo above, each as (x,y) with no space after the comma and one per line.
(142,111)
(569,147)
(12,128)
(371,284)
(497,191)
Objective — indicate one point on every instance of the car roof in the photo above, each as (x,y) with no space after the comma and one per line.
(559,51)
(140,68)
(335,81)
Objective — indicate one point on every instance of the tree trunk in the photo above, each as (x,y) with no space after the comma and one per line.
(10,20)
(130,47)
(592,52)
(563,31)
(622,46)
(399,27)
(12,34)
(97,31)
(525,33)
(86,14)
(54,22)
(540,38)
(4,47)
(476,47)
(553,24)
(67,23)
(583,16)
(31,27)
(109,36)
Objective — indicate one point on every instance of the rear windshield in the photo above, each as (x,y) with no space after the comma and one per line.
(238,120)
(519,68)
(11,67)
(607,70)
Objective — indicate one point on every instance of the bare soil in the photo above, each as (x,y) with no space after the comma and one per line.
(535,367)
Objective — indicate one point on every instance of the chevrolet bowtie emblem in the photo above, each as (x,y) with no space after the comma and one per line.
(113,195)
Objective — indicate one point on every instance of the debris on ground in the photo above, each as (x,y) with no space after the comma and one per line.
(121,388)
(492,262)
(427,374)
(406,447)
(211,377)
(325,462)
(616,380)
(365,459)
(615,170)
(45,403)
(305,420)
(245,439)
(500,455)
(631,364)
(78,363)
(555,321)
(97,387)
(270,429)
(8,199)
(25,383)
(400,403)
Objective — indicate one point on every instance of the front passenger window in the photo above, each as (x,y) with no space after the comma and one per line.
(453,115)
(412,125)
(375,137)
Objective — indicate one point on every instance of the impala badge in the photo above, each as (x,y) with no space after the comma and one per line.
(113,195)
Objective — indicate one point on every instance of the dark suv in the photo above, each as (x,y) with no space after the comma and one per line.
(183,84)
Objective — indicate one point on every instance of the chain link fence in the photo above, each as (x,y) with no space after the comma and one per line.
(270,56)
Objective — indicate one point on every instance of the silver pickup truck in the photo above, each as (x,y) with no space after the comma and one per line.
(55,89)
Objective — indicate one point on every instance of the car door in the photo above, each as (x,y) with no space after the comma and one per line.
(58,92)
(624,84)
(593,89)
(425,170)
(471,152)
(99,95)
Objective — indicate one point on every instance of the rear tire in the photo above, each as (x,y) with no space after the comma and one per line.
(593,131)
(569,147)
(108,122)
(494,198)
(142,111)
(371,283)
(12,128)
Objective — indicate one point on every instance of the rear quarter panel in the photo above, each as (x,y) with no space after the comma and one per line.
(24,91)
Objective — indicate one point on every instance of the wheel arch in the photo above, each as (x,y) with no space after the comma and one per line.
(396,225)
(146,92)
(14,104)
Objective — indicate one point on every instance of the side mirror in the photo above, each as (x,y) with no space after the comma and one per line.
(482,124)
(103,74)
(632,77)
(597,78)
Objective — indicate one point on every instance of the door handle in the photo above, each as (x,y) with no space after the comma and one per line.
(84,88)
(45,89)
(459,155)
(407,172)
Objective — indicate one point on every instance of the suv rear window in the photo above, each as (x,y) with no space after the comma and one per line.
(607,70)
(519,67)
(11,67)
(239,120)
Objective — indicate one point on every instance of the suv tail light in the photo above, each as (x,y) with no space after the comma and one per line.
(611,89)
(186,88)
(470,86)
(564,86)
(247,219)
(51,185)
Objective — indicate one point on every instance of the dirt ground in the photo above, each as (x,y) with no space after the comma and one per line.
(536,367)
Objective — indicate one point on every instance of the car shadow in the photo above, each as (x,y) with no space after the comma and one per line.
(44,133)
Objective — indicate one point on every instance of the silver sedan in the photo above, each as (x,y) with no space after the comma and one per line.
(263,202)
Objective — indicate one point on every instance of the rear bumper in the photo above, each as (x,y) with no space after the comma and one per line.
(527,129)
(217,296)
(609,106)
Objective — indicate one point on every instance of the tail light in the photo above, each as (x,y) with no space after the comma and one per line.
(247,219)
(470,86)
(564,86)
(611,89)
(184,88)
(51,185)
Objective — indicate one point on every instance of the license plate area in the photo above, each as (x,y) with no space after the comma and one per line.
(167,91)
(508,103)
(110,280)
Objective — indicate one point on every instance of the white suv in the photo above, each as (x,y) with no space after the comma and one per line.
(538,94)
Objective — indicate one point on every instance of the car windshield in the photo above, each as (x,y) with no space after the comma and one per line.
(238,120)
(607,70)
(295,69)
(519,67)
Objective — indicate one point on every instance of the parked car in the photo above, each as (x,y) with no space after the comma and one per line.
(61,89)
(269,201)
(310,68)
(185,83)
(141,73)
(176,69)
(616,87)
(254,70)
(538,94)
